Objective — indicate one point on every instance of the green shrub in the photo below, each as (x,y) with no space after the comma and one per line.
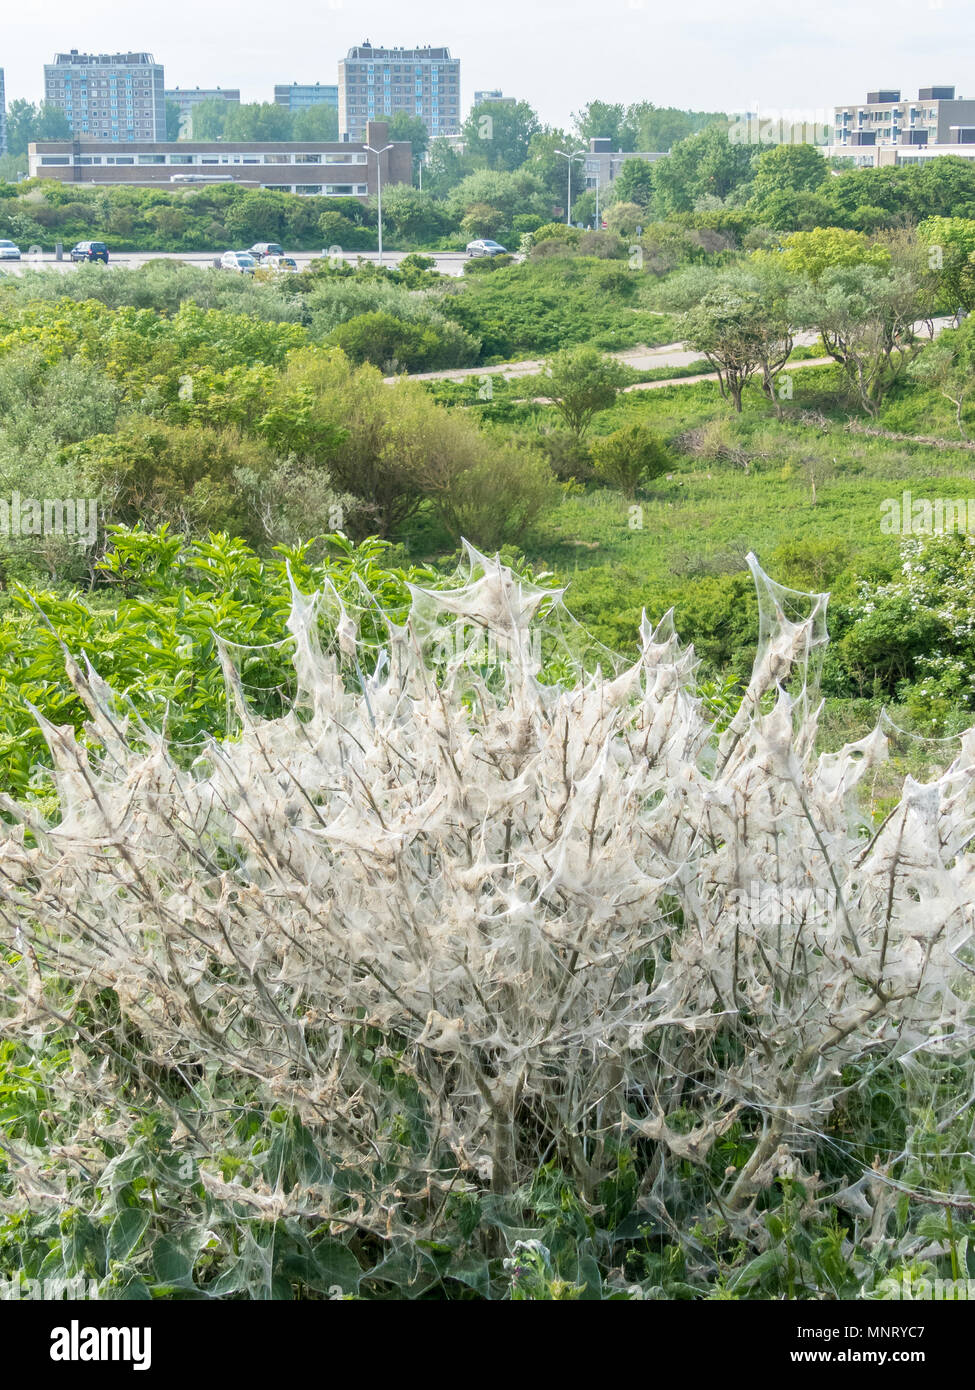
(630,456)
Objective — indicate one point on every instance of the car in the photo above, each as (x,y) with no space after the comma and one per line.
(285,263)
(9,252)
(485,247)
(90,251)
(262,249)
(241,261)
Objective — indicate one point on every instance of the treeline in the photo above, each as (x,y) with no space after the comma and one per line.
(733,196)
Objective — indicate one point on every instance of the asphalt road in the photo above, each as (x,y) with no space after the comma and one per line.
(447,262)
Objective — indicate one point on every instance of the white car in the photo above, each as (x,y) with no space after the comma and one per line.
(9,252)
(283,263)
(485,247)
(241,261)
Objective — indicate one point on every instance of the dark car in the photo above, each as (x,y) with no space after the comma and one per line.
(90,251)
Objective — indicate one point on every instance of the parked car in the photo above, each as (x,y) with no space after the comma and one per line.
(262,249)
(285,263)
(241,261)
(485,247)
(9,252)
(90,251)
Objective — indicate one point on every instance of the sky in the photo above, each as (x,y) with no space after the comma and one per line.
(727,55)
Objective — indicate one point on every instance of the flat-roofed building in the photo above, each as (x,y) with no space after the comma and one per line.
(108,96)
(313,167)
(603,163)
(885,119)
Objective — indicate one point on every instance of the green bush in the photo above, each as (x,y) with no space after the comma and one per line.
(630,456)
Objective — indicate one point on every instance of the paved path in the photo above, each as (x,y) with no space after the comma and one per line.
(641,359)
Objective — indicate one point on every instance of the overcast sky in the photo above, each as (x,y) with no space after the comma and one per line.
(730,55)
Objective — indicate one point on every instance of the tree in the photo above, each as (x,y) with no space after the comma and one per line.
(319,122)
(549,167)
(742,327)
(414,213)
(624,218)
(634,183)
(510,193)
(630,456)
(642,126)
(810,254)
(603,120)
(259,214)
(444,168)
(500,135)
(866,317)
(174,120)
(660,127)
(706,164)
(948,364)
(209,118)
(413,129)
(259,120)
(27,123)
(580,382)
(789,168)
(951,240)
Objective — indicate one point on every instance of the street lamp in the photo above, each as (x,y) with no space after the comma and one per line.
(576,154)
(379,192)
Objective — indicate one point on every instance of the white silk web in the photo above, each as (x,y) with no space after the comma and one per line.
(486,897)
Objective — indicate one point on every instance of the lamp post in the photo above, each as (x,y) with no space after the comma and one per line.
(379,192)
(568,169)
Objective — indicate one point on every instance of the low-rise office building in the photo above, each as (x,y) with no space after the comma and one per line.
(326,169)
(603,163)
(886,156)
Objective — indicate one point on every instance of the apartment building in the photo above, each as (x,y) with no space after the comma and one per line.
(108,96)
(382,82)
(886,120)
(298,96)
(315,168)
(3,116)
(188,97)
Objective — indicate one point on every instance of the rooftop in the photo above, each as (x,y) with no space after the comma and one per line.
(105,59)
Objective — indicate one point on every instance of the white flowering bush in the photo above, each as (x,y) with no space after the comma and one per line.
(464,922)
(918,631)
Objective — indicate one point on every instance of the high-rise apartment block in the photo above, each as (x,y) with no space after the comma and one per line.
(108,96)
(298,96)
(378,83)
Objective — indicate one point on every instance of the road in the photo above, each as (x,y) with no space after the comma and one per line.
(447,262)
